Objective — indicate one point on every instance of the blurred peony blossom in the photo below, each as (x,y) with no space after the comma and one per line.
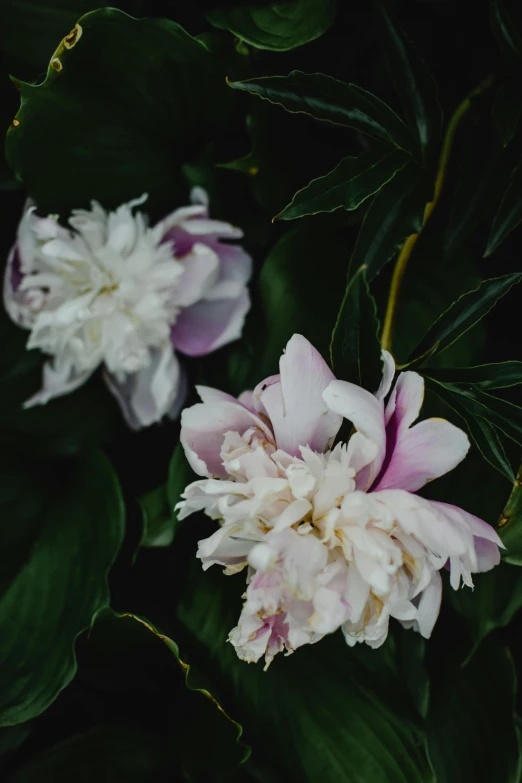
(331,536)
(112,291)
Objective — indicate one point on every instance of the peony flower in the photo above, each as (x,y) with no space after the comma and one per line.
(330,536)
(112,291)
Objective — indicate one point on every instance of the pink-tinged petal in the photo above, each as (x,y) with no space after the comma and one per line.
(366,413)
(423,453)
(388,372)
(476,526)
(488,555)
(235,270)
(429,606)
(295,405)
(152,392)
(246,398)
(208,325)
(406,400)
(209,394)
(56,382)
(203,428)
(201,268)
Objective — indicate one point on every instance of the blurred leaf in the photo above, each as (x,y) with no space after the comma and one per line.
(355,350)
(68,529)
(494,601)
(158,524)
(509,213)
(484,376)
(507,108)
(395,212)
(331,100)
(132,653)
(361,727)
(505,32)
(479,425)
(464,313)
(180,476)
(471,726)
(117,121)
(110,752)
(416,87)
(296,297)
(276,26)
(351,182)
(510,526)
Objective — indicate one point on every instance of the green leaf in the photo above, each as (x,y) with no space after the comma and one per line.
(355,350)
(362,726)
(396,212)
(63,526)
(127,649)
(296,297)
(331,100)
(416,87)
(510,524)
(350,183)
(480,428)
(509,213)
(462,315)
(472,734)
(507,108)
(158,524)
(505,32)
(111,122)
(493,603)
(110,752)
(276,26)
(484,376)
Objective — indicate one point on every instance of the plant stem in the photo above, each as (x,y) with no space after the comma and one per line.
(409,244)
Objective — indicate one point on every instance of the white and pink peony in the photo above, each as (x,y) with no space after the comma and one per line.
(112,291)
(331,536)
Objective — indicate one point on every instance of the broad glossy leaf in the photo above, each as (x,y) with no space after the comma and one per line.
(504,30)
(63,526)
(110,752)
(507,108)
(479,425)
(471,728)
(396,212)
(331,100)
(351,722)
(355,350)
(510,523)
(483,376)
(296,296)
(276,26)
(351,182)
(493,603)
(415,85)
(464,313)
(116,121)
(125,650)
(158,527)
(509,213)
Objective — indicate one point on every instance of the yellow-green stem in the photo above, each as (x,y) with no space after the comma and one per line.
(409,244)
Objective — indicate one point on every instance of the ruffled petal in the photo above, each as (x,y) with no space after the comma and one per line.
(295,405)
(210,324)
(57,381)
(150,393)
(200,273)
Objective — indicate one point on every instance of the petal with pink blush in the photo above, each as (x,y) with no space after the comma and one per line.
(423,453)
(209,324)
(201,268)
(152,392)
(299,415)
(203,428)
(366,413)
(406,399)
